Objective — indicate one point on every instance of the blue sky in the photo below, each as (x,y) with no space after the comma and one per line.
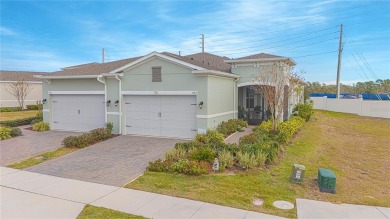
(48,35)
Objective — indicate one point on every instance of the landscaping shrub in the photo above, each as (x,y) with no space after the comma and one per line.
(188,146)
(202,154)
(246,160)
(41,127)
(88,138)
(4,133)
(231,126)
(214,137)
(18,122)
(15,132)
(184,166)
(176,154)
(288,128)
(10,109)
(34,106)
(35,121)
(264,126)
(191,167)
(304,110)
(159,166)
(226,159)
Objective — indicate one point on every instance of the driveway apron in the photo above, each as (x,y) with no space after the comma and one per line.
(30,144)
(116,161)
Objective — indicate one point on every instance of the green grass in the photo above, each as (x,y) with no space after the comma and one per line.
(42,158)
(355,147)
(6,116)
(92,212)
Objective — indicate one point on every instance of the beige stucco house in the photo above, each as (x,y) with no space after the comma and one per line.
(9,77)
(159,94)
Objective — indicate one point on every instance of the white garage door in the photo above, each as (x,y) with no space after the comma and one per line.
(164,116)
(78,112)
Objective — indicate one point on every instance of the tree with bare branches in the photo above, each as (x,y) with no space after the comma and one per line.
(19,89)
(277,84)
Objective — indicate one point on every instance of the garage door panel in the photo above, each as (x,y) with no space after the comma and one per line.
(78,112)
(166,116)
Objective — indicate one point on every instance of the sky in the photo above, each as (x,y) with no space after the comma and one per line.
(49,35)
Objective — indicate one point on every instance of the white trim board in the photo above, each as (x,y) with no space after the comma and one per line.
(156,54)
(214,115)
(76,92)
(113,113)
(159,92)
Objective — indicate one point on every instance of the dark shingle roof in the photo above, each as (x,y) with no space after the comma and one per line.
(260,56)
(19,75)
(94,68)
(204,60)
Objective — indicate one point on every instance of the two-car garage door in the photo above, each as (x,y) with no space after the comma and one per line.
(78,112)
(165,116)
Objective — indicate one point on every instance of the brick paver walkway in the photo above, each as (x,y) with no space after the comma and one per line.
(116,161)
(235,138)
(30,144)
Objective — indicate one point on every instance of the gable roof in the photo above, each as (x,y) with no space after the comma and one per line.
(260,56)
(19,75)
(166,56)
(198,61)
(94,68)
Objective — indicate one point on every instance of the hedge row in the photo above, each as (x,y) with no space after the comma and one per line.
(89,138)
(10,109)
(19,122)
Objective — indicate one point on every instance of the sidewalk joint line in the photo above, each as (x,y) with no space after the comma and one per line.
(44,195)
(197,210)
(381,212)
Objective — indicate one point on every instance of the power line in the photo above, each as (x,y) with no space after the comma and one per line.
(239,49)
(294,36)
(315,54)
(284,23)
(285,29)
(257,50)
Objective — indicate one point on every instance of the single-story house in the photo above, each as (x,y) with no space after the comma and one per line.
(9,77)
(159,94)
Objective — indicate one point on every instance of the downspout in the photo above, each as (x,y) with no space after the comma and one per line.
(234,97)
(120,103)
(101,80)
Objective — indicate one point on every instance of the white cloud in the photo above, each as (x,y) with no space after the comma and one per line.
(7,32)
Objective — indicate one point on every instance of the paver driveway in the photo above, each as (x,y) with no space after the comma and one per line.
(115,162)
(30,144)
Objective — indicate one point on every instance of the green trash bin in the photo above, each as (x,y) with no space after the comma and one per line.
(297,173)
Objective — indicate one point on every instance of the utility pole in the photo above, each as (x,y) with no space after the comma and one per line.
(202,43)
(339,62)
(103,55)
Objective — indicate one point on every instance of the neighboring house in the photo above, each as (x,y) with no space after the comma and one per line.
(9,77)
(160,94)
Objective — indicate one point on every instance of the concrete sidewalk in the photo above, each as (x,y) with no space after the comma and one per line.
(32,195)
(308,209)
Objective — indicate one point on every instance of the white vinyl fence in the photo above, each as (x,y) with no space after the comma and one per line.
(372,108)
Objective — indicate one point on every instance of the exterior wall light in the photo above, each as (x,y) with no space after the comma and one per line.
(200,104)
(44,101)
(116,103)
(108,102)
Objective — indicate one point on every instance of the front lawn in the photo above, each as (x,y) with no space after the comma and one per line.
(7,116)
(355,148)
(92,212)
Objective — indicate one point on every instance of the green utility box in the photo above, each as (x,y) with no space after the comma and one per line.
(297,173)
(326,180)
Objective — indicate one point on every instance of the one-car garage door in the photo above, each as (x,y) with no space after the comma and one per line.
(164,116)
(78,112)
